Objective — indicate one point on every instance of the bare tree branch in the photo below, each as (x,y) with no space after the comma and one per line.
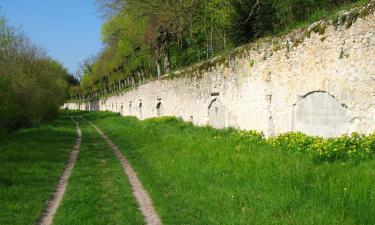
(257,3)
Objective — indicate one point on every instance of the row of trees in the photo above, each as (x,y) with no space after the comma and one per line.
(32,85)
(145,38)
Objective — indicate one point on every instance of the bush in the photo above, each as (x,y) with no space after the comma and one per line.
(249,137)
(32,86)
(356,146)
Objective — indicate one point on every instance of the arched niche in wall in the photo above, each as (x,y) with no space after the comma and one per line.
(94,105)
(319,113)
(217,114)
(130,109)
(140,110)
(159,109)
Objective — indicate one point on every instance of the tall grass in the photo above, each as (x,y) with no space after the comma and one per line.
(199,175)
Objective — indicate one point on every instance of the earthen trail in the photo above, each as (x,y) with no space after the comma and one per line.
(143,199)
(54,204)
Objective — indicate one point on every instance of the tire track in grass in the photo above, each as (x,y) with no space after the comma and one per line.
(143,199)
(98,192)
(53,205)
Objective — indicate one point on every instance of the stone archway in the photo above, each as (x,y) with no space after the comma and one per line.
(319,113)
(217,117)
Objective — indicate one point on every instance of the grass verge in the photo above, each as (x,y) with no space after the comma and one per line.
(31,163)
(199,175)
(98,192)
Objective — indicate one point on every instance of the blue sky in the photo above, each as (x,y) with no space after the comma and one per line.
(68,29)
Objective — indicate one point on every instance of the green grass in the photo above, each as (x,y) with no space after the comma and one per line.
(98,192)
(195,175)
(31,162)
(202,176)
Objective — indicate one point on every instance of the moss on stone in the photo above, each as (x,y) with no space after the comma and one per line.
(321,28)
(351,18)
(276,45)
(251,62)
(367,10)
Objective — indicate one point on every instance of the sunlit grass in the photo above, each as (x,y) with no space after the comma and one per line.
(197,176)
(31,162)
(98,190)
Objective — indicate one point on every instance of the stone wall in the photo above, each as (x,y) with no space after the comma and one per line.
(319,80)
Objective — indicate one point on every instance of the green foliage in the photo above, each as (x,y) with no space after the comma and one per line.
(355,147)
(247,137)
(32,86)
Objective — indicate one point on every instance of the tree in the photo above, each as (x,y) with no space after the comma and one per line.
(32,85)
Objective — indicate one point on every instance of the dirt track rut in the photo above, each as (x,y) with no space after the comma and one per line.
(54,203)
(143,199)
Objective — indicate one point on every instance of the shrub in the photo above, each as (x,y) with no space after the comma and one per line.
(32,86)
(356,146)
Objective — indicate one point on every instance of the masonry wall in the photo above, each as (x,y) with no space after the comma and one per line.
(319,80)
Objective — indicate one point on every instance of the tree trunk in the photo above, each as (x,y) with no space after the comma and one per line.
(225,42)
(143,76)
(167,63)
(158,67)
(212,37)
(133,81)
(139,76)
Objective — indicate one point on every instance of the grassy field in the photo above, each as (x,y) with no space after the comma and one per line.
(31,162)
(195,175)
(204,176)
(98,192)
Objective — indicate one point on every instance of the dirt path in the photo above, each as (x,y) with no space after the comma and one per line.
(140,194)
(54,204)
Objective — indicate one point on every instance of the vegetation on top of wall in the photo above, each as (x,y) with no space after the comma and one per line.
(337,19)
(145,40)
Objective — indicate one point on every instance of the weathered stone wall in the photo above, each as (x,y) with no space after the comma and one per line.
(319,80)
